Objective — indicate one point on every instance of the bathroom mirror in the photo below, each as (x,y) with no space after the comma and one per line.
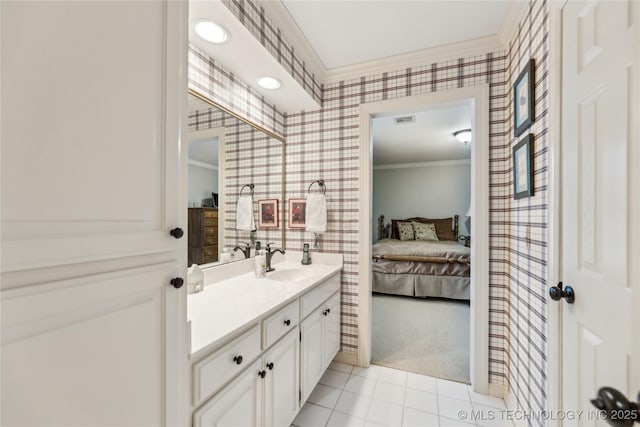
(229,156)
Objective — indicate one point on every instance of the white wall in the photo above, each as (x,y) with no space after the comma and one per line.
(433,190)
(202,182)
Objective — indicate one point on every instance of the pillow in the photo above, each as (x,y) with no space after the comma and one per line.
(444,227)
(424,231)
(405,231)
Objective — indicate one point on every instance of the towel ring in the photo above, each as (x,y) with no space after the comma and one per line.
(320,182)
(251,187)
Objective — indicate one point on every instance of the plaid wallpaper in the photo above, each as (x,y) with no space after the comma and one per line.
(252,16)
(252,157)
(525,224)
(323,144)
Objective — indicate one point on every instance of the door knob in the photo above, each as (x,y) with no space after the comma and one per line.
(177,232)
(270,365)
(177,282)
(556,293)
(262,374)
(287,322)
(237,359)
(616,408)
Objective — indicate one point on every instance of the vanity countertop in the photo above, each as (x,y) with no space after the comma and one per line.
(228,306)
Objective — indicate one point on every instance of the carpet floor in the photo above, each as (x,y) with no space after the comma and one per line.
(424,335)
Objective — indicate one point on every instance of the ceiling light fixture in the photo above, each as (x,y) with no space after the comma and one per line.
(211,32)
(463,135)
(267,82)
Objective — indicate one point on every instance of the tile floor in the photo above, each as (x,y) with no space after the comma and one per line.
(378,396)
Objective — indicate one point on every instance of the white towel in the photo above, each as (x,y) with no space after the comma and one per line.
(244,214)
(316,213)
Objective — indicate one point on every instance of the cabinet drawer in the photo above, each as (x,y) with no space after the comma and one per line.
(210,251)
(318,295)
(215,370)
(211,231)
(211,222)
(210,214)
(208,241)
(279,323)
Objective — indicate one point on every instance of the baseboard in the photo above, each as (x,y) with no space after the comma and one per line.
(498,390)
(348,358)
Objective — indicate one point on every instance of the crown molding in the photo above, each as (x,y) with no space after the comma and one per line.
(423,164)
(473,47)
(280,17)
(203,165)
(516,11)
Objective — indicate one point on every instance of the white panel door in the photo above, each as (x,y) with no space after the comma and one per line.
(92,103)
(282,382)
(90,129)
(599,76)
(311,357)
(87,351)
(239,404)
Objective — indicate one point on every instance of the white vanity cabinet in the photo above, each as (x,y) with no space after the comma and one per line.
(320,343)
(238,404)
(269,385)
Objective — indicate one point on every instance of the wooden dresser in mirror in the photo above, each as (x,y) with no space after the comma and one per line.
(203,235)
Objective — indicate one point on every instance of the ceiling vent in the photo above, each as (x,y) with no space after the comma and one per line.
(404,120)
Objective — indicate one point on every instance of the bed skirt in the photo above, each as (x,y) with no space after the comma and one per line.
(454,287)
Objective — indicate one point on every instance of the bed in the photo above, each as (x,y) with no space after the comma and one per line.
(421,268)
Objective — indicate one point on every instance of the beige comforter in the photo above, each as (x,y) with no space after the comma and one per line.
(446,250)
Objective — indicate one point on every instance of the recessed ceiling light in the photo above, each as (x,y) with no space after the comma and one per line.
(211,32)
(269,83)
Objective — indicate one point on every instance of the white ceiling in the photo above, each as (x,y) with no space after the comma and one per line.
(344,33)
(430,138)
(204,151)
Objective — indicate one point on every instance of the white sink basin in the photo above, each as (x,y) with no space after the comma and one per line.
(289,275)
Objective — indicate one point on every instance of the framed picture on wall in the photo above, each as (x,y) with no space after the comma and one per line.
(523,168)
(268,213)
(297,213)
(523,99)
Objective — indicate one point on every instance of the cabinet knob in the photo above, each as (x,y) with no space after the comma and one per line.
(327,311)
(270,365)
(287,322)
(177,282)
(237,359)
(177,232)
(262,374)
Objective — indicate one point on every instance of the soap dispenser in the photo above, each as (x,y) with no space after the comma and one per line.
(306,258)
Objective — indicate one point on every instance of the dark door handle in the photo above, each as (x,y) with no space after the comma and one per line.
(556,293)
(287,322)
(177,282)
(262,374)
(177,232)
(270,365)
(237,359)
(617,410)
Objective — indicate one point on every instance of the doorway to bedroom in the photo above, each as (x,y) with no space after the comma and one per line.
(477,225)
(421,195)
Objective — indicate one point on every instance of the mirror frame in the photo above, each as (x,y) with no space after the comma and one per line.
(269,133)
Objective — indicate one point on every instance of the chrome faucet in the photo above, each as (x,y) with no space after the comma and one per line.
(269,254)
(245,248)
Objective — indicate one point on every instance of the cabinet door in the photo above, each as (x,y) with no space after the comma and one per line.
(282,383)
(311,352)
(239,404)
(331,329)
(87,351)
